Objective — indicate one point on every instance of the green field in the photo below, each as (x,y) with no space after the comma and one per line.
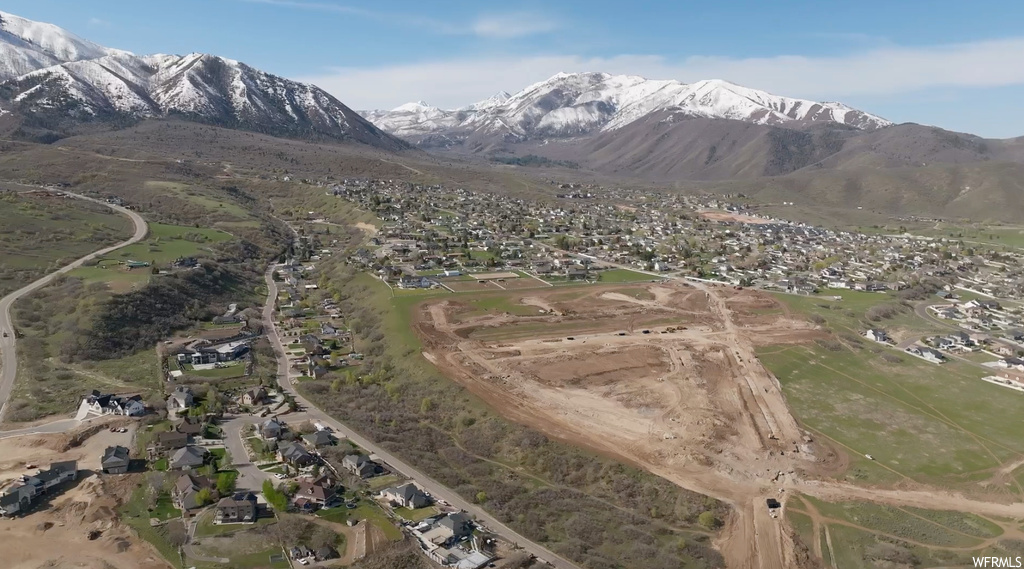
(39,235)
(164,244)
(499,303)
(922,422)
(228,371)
(865,535)
(416,515)
(365,511)
(622,276)
(202,198)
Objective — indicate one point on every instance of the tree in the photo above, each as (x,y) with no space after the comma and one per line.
(481,497)
(707,520)
(274,497)
(226,482)
(204,497)
(322,537)
(175,531)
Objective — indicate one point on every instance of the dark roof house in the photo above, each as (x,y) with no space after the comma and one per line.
(115,460)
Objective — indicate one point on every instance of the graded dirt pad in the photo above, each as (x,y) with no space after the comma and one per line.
(660,375)
(522,283)
(56,534)
(733,217)
(470,286)
(86,445)
(599,368)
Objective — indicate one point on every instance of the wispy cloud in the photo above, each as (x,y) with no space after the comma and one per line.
(98,23)
(512,25)
(492,26)
(872,72)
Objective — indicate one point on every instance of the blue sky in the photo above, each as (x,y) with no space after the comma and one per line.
(959,65)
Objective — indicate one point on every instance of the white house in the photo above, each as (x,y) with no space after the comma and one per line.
(877,335)
(97,404)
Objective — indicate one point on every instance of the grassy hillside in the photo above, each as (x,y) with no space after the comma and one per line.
(39,234)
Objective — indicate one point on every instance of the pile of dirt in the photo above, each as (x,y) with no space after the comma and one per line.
(67,441)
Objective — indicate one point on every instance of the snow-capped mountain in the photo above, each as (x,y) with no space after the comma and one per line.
(573,104)
(27,46)
(50,76)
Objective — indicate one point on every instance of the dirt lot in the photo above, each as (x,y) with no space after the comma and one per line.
(56,534)
(522,283)
(660,375)
(734,217)
(469,286)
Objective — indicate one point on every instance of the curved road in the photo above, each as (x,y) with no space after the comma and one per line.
(8,355)
(434,488)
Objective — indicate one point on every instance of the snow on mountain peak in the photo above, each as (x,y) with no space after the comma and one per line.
(569,104)
(26,45)
(418,106)
(49,71)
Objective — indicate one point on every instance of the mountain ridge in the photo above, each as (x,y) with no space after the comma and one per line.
(57,82)
(573,104)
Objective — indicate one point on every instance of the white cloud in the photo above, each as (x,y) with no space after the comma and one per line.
(491,26)
(513,25)
(98,23)
(880,71)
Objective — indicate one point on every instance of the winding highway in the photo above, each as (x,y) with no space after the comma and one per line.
(8,346)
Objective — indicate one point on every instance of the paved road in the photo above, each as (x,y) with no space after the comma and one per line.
(44,429)
(8,355)
(434,488)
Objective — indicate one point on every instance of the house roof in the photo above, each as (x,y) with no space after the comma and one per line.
(189,425)
(114,455)
(319,438)
(355,460)
(315,491)
(405,491)
(455,521)
(171,437)
(188,456)
(293,451)
(191,481)
(326,552)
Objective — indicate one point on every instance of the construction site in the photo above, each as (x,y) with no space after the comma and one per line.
(78,524)
(661,375)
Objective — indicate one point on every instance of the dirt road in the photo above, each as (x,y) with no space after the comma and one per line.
(8,353)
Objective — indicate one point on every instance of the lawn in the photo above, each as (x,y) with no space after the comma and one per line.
(164,509)
(336,515)
(416,515)
(229,371)
(381,482)
(134,514)
(368,511)
(161,464)
(622,276)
